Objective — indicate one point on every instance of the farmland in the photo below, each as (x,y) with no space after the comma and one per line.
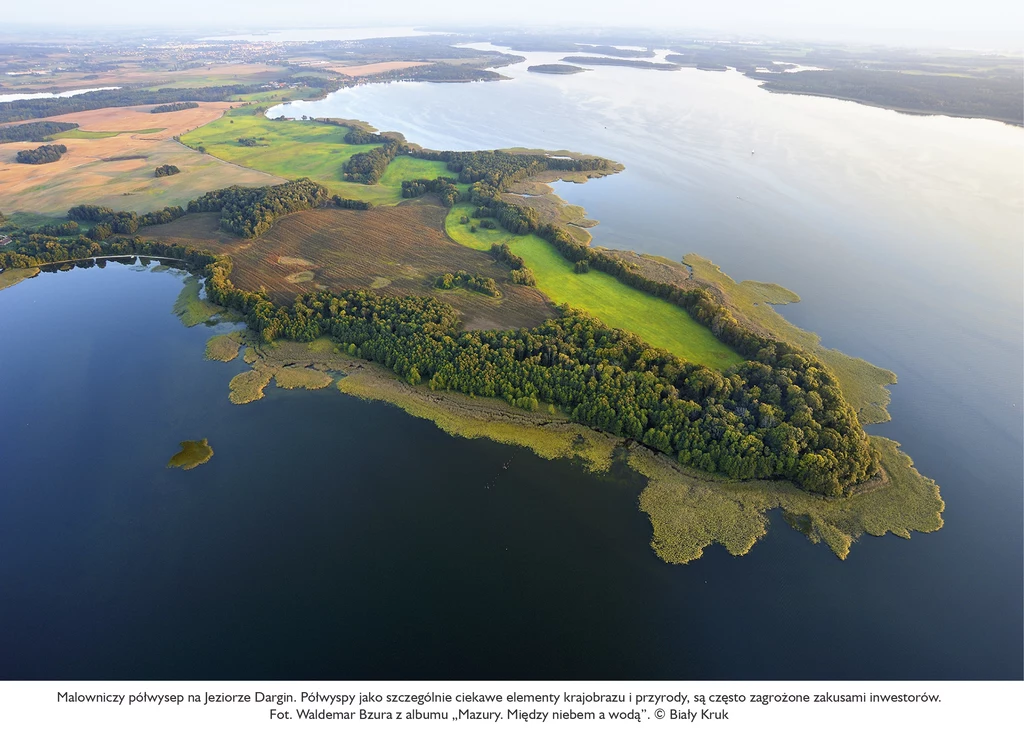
(620,306)
(293,149)
(395,250)
(110,162)
(115,172)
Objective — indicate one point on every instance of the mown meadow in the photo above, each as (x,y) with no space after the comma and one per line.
(658,322)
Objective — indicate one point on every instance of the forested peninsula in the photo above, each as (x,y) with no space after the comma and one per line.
(778,413)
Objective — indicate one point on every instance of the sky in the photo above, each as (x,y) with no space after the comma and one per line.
(966,23)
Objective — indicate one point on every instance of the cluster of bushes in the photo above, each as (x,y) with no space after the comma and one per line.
(34,131)
(502,253)
(368,167)
(520,274)
(173,107)
(444,188)
(66,228)
(353,203)
(250,212)
(165,170)
(248,142)
(42,154)
(479,283)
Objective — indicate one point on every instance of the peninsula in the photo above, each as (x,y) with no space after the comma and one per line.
(458,286)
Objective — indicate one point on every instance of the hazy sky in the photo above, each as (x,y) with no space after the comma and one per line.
(979,23)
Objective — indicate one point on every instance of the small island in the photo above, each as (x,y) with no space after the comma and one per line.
(193,453)
(628,62)
(555,69)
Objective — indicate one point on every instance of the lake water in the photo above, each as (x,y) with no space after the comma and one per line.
(51,95)
(332,538)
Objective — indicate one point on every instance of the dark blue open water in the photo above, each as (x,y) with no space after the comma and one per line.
(332,538)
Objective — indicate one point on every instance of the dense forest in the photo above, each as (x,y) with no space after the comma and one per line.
(250,212)
(778,415)
(501,169)
(162,171)
(994,98)
(34,131)
(173,107)
(48,107)
(41,155)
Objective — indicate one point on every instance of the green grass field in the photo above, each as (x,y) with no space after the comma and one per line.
(100,134)
(281,95)
(659,323)
(405,168)
(303,149)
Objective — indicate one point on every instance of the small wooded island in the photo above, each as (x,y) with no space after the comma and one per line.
(555,69)
(728,414)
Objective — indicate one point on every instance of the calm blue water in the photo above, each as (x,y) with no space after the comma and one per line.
(306,549)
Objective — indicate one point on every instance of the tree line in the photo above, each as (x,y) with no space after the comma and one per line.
(108,222)
(599,61)
(173,107)
(34,131)
(519,273)
(364,137)
(41,155)
(30,108)
(368,167)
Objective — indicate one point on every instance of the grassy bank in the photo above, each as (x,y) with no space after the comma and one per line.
(620,306)
(11,277)
(690,511)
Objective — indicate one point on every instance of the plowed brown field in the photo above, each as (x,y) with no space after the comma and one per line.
(395,250)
